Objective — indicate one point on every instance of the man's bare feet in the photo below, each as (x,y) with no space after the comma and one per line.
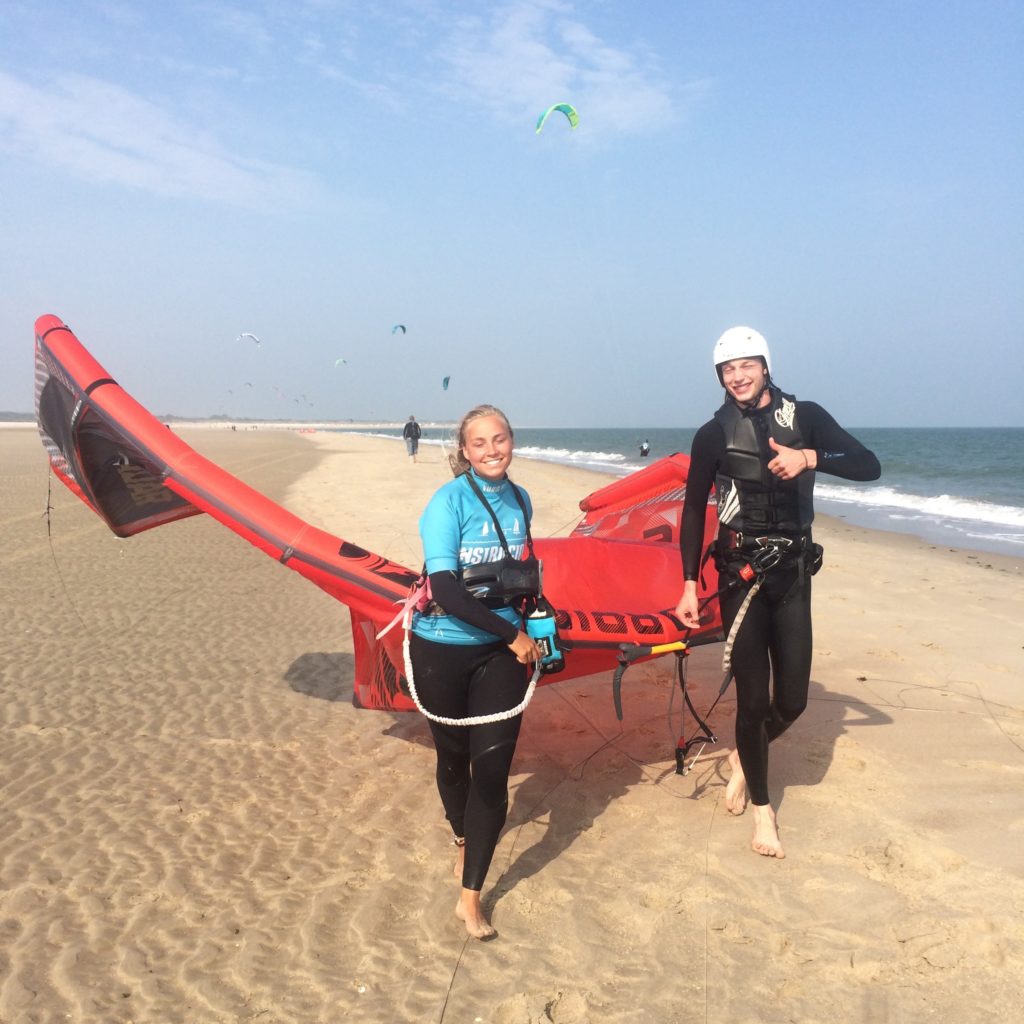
(470,913)
(736,788)
(766,833)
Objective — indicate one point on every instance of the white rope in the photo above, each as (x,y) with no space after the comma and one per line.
(498,716)
(737,622)
(418,596)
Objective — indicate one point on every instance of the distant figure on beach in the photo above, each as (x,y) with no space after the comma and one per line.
(469,653)
(411,432)
(645,449)
(760,451)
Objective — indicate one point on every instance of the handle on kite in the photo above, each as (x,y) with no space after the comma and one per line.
(628,653)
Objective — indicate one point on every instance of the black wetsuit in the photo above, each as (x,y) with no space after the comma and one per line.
(463,667)
(775,636)
(473,762)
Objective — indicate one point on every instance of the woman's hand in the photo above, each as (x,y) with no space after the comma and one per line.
(525,650)
(791,462)
(686,610)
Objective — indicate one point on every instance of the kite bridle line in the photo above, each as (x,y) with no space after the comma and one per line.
(759,567)
(629,653)
(49,540)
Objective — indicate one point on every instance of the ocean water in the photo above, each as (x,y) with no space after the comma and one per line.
(958,487)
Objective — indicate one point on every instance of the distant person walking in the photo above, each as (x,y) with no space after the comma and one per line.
(645,450)
(412,433)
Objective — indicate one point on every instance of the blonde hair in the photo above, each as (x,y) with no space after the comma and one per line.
(458,461)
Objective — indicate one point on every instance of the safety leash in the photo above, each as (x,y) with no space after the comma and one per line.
(737,622)
(498,716)
(419,597)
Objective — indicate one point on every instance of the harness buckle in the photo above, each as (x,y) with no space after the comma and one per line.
(766,558)
(770,551)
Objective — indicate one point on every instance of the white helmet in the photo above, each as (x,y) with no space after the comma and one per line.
(741,343)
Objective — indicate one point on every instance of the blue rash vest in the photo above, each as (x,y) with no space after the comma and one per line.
(457,531)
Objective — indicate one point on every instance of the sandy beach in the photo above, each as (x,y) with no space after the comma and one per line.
(199,827)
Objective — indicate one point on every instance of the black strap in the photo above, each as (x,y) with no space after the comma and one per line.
(497,526)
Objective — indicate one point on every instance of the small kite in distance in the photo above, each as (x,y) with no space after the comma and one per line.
(339,362)
(564,108)
(444,383)
(398,327)
(246,334)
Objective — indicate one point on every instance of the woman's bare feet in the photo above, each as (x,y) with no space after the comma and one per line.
(470,913)
(736,789)
(766,833)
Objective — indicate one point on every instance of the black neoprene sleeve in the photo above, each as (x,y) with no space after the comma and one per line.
(704,458)
(839,454)
(456,600)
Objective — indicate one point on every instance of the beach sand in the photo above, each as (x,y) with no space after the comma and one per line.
(198,827)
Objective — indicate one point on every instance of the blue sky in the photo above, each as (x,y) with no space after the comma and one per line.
(845,177)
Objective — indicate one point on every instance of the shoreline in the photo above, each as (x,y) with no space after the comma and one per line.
(930,534)
(930,537)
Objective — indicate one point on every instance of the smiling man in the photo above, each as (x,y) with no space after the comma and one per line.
(760,451)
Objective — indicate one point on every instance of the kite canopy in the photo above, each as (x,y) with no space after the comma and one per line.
(444,383)
(398,327)
(251,337)
(614,581)
(339,362)
(562,108)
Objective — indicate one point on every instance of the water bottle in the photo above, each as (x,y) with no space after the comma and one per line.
(542,630)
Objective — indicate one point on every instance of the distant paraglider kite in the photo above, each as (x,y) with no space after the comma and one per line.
(444,383)
(339,362)
(398,327)
(563,108)
(246,334)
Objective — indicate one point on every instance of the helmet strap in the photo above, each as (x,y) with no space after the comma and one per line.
(756,400)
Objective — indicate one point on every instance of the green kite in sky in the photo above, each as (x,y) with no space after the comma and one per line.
(564,108)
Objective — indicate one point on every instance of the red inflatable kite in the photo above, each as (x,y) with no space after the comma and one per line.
(615,580)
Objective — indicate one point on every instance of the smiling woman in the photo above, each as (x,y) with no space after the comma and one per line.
(468,649)
(486,441)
